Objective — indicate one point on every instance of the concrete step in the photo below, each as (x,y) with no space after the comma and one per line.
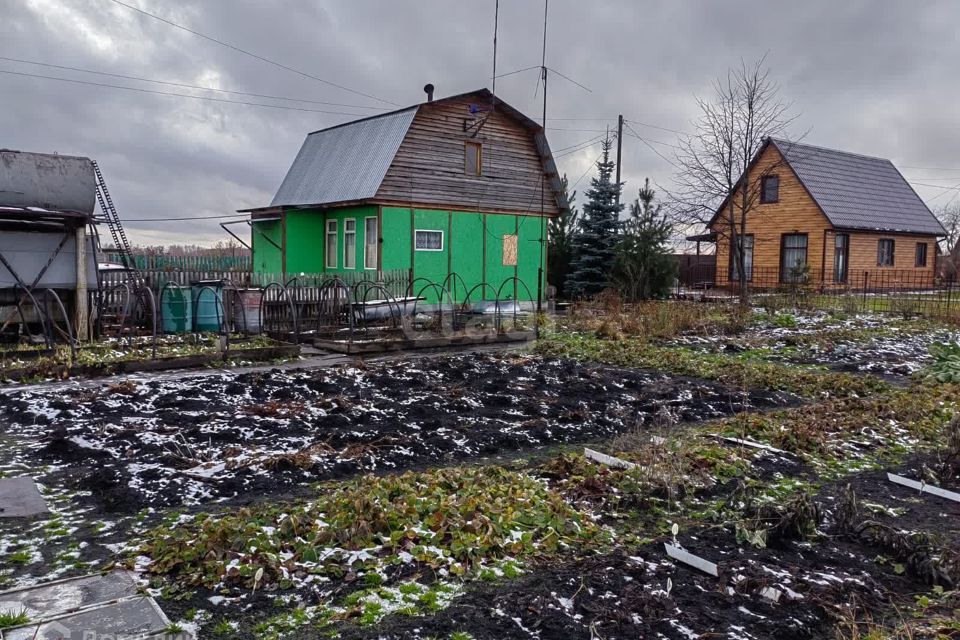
(84,608)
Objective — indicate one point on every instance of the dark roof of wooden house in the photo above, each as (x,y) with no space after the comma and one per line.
(347,163)
(854,191)
(859,192)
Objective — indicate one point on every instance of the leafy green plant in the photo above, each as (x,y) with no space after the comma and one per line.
(455,519)
(946,363)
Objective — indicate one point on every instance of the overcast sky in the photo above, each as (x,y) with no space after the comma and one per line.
(868,77)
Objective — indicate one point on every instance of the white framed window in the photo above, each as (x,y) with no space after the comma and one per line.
(473,159)
(428,240)
(350,244)
(331,246)
(371,240)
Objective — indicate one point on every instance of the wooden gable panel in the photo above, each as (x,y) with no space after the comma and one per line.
(794,212)
(429,167)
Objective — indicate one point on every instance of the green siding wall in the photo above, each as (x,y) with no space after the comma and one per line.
(305,241)
(466,248)
(472,247)
(359,214)
(266,257)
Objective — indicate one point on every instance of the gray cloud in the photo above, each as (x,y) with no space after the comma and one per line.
(871,77)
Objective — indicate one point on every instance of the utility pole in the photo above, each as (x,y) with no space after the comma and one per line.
(619,151)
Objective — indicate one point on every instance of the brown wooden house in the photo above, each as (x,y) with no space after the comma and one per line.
(829,218)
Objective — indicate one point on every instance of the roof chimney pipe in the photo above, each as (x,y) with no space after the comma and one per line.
(429,89)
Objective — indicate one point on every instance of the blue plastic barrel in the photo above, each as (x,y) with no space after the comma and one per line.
(208,310)
(176,310)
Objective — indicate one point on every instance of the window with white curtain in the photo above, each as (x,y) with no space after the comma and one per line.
(350,244)
(331,259)
(428,240)
(371,239)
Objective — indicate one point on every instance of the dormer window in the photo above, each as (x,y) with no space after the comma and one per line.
(473,159)
(769,189)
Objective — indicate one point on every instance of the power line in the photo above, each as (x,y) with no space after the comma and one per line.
(579,148)
(939,186)
(226,215)
(251,54)
(652,148)
(594,138)
(651,140)
(590,166)
(654,126)
(904,166)
(182,95)
(185,86)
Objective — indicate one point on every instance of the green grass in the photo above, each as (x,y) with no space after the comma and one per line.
(10,619)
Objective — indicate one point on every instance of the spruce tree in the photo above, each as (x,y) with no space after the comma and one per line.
(594,245)
(643,268)
(561,232)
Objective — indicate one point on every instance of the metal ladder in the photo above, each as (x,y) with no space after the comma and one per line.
(120,241)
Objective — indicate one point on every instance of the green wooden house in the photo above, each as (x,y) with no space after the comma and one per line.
(461,185)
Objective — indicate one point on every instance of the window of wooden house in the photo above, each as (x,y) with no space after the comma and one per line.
(473,158)
(769,189)
(793,257)
(746,241)
(331,258)
(428,240)
(841,258)
(510,250)
(885,249)
(371,240)
(350,244)
(921,254)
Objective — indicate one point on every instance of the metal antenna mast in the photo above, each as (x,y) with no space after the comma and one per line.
(496,22)
(543,204)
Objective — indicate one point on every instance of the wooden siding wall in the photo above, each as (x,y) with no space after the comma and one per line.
(429,166)
(863,252)
(796,212)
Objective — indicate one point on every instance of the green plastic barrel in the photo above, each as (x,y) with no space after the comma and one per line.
(208,305)
(176,310)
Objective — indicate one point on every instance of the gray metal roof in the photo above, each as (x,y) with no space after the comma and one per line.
(859,192)
(47,181)
(346,162)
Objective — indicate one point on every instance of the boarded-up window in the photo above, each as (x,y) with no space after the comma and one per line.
(510,251)
(473,159)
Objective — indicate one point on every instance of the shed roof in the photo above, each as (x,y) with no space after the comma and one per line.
(859,192)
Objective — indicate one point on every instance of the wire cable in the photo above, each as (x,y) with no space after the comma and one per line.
(183,95)
(226,215)
(251,54)
(186,86)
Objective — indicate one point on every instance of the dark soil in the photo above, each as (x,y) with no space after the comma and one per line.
(170,443)
(623,594)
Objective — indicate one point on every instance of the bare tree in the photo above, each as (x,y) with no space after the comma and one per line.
(714,162)
(949,216)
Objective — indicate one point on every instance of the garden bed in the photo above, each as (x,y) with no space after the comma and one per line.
(223,436)
(442,497)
